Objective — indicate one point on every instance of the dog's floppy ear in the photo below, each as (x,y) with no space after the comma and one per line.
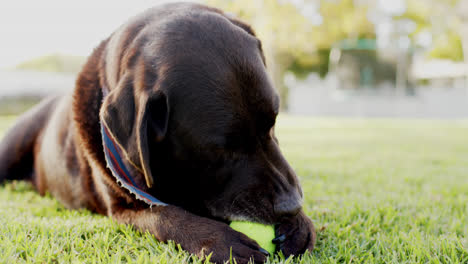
(129,116)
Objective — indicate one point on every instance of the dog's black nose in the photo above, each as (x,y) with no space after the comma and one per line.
(288,204)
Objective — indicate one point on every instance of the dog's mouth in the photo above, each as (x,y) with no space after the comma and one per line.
(221,219)
(229,220)
(256,206)
(238,209)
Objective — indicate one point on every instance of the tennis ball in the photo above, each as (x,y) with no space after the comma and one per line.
(262,234)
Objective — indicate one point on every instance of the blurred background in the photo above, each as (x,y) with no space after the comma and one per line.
(374,123)
(357,58)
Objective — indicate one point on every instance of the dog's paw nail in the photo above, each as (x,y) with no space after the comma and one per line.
(279,239)
(264,252)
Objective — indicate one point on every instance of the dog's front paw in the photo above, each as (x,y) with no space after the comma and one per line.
(223,240)
(295,235)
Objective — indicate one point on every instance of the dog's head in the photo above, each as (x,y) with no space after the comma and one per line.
(194,109)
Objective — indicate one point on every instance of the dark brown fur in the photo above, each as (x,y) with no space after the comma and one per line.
(192,106)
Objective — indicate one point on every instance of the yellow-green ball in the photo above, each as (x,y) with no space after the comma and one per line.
(262,234)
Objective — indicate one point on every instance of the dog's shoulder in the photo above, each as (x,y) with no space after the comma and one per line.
(87,100)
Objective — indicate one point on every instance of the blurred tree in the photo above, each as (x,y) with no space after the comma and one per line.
(440,18)
(297,35)
(447,46)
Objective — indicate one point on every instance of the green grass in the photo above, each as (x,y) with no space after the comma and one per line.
(378,191)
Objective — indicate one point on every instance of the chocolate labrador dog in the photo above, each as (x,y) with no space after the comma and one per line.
(170,129)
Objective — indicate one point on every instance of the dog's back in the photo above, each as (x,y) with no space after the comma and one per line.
(17,146)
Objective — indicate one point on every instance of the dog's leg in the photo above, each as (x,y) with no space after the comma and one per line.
(197,235)
(17,146)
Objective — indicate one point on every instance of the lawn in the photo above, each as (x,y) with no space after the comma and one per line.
(378,191)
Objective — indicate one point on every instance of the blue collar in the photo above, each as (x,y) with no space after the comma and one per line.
(113,154)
